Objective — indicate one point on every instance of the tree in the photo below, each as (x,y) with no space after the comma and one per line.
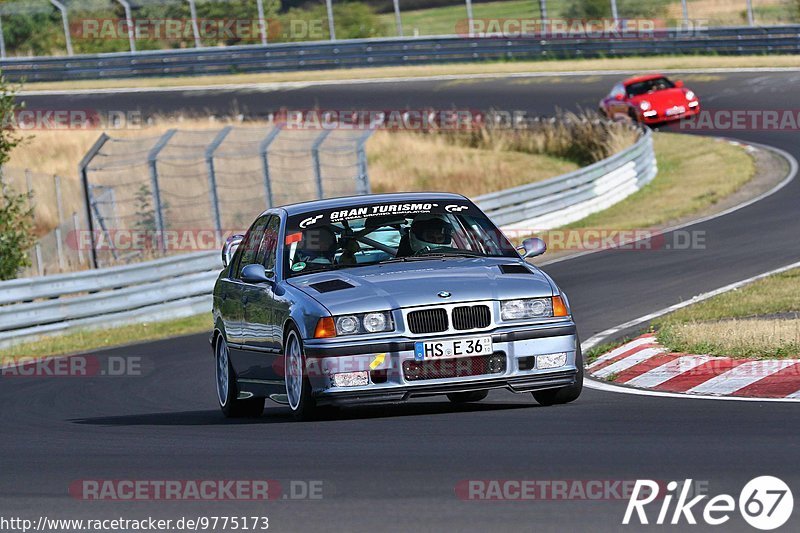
(16,213)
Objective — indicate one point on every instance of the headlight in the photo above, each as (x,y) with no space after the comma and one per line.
(690,95)
(364,323)
(644,105)
(532,308)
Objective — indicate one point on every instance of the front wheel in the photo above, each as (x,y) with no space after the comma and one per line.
(566,394)
(227,391)
(298,387)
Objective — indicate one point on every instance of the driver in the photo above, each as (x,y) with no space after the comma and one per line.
(430,232)
(318,246)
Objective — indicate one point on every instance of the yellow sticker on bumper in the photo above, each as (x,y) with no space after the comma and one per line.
(378,361)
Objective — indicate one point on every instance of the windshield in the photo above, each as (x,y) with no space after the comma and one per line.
(648,86)
(367,235)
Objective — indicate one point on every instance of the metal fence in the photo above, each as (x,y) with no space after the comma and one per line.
(58,220)
(186,190)
(395,51)
(181,285)
(85,26)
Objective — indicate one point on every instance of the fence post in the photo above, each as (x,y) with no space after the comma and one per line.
(614,12)
(543,10)
(37,247)
(87,193)
(397,20)
(65,21)
(263,148)
(195,28)
(751,21)
(129,21)
(212,176)
(262,22)
(329,7)
(77,236)
(685,10)
(315,155)
(469,18)
(152,160)
(59,208)
(2,40)
(363,178)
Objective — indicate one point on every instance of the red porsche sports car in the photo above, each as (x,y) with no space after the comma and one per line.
(650,99)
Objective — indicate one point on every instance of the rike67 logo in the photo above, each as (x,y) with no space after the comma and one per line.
(765,503)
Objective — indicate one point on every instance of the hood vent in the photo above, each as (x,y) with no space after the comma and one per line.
(514,269)
(331,285)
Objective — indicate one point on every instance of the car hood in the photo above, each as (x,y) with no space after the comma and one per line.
(663,99)
(414,283)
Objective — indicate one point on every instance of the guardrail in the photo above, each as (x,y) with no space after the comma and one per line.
(396,51)
(570,197)
(172,287)
(180,286)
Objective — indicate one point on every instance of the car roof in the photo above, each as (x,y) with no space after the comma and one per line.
(348,201)
(642,77)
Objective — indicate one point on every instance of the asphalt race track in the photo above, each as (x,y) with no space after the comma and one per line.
(396,467)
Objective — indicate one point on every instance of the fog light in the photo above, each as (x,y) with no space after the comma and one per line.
(551,360)
(350,379)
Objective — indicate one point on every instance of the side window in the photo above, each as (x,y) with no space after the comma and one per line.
(269,245)
(251,244)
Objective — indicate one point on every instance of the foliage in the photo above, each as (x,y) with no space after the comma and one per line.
(16,213)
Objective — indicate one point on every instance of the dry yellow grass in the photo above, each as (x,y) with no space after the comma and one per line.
(758,321)
(572,65)
(413,162)
(758,338)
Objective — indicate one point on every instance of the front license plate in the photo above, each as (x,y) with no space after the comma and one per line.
(676,111)
(425,351)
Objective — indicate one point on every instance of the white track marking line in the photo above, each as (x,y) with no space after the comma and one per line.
(622,349)
(608,387)
(667,371)
(632,360)
(740,377)
(284,85)
(603,335)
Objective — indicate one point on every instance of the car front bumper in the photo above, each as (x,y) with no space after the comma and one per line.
(515,349)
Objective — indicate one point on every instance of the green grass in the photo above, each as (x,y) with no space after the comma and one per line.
(693,174)
(449,20)
(84,340)
(756,321)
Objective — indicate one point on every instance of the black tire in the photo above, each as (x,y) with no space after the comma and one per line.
(228,396)
(564,394)
(466,397)
(301,401)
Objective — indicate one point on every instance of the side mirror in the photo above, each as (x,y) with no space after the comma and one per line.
(678,83)
(256,273)
(532,247)
(229,248)
(619,97)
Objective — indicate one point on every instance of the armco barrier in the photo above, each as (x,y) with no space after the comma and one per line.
(395,51)
(570,197)
(181,286)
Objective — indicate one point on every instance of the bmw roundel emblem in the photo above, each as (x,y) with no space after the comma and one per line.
(444,294)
